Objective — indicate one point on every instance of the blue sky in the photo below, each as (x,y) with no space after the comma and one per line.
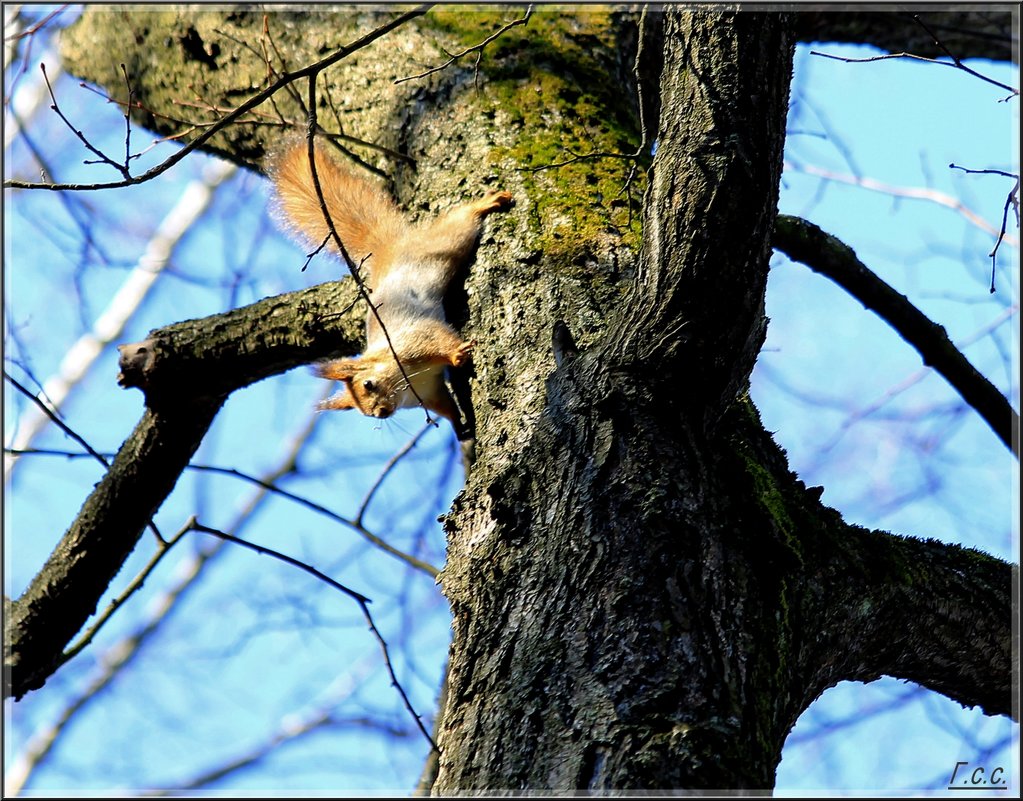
(257,647)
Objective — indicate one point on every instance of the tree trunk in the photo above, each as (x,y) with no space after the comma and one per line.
(611,630)
(644,597)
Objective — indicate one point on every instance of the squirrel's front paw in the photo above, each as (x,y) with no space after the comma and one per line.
(496,200)
(462,354)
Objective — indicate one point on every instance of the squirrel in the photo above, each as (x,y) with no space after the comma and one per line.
(407,270)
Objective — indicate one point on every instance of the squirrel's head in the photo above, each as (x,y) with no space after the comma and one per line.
(374,387)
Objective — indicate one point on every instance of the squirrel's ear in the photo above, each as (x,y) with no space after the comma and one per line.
(338,369)
(342,400)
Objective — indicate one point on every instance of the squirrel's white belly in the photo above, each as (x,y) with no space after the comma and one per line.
(424,381)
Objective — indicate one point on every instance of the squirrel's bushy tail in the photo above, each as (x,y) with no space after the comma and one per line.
(365,218)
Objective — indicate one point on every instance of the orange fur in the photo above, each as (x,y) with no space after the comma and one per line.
(408,268)
(365,218)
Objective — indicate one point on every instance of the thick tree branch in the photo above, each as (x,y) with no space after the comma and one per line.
(805,242)
(216,355)
(719,148)
(970,33)
(927,611)
(862,604)
(186,371)
(67,589)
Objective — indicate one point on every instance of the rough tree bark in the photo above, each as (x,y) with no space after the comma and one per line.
(644,596)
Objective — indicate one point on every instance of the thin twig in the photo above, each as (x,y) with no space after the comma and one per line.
(314,253)
(268,485)
(640,148)
(638,73)
(176,120)
(53,416)
(476,48)
(394,154)
(41,743)
(956,60)
(359,598)
(357,526)
(576,157)
(915,193)
(954,65)
(386,470)
(984,172)
(103,158)
(254,101)
(874,406)
(162,549)
(127,118)
(1012,199)
(118,656)
(75,436)
(35,28)
(11,52)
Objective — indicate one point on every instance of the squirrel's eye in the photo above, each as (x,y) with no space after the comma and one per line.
(369,386)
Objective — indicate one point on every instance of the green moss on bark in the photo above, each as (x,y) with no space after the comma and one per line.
(551,82)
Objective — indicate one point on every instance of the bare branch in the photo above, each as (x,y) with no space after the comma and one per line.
(955,63)
(162,549)
(268,485)
(974,30)
(1012,199)
(872,408)
(37,26)
(10,51)
(355,525)
(355,596)
(52,415)
(127,118)
(802,241)
(103,158)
